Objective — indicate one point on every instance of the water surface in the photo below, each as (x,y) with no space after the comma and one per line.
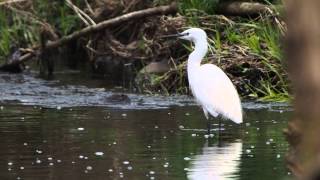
(55,131)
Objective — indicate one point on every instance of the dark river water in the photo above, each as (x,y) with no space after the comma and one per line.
(50,130)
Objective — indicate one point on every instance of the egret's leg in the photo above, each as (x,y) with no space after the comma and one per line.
(219,125)
(208,126)
(208,120)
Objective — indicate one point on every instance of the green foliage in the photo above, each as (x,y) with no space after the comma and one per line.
(208,6)
(21,28)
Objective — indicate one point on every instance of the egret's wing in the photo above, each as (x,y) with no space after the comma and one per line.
(215,91)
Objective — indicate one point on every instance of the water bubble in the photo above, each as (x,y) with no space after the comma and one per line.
(114,143)
(252,147)
(89,168)
(149,147)
(51,164)
(99,153)
(181,127)
(166,165)
(58,107)
(80,128)
(154,158)
(186,158)
(164,137)
(9,169)
(193,135)
(49,158)
(81,157)
(156,127)
(271,140)
(267,143)
(110,170)
(72,162)
(38,151)
(187,114)
(25,144)
(124,115)
(86,157)
(38,161)
(125,162)
(59,161)
(152,172)
(129,168)
(22,168)
(250,155)
(206,136)
(248,151)
(10,163)
(278,156)
(152,177)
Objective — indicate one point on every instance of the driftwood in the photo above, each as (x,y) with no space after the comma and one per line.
(242,8)
(161,10)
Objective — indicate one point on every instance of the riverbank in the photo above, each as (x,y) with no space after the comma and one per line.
(247,48)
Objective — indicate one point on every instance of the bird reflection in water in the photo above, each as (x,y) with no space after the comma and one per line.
(217,162)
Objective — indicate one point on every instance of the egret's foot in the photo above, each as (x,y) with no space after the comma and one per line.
(208,136)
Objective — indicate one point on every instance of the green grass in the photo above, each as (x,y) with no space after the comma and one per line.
(208,6)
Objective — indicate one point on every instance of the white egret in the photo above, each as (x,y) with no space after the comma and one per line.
(210,86)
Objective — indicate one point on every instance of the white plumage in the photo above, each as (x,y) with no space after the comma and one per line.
(210,86)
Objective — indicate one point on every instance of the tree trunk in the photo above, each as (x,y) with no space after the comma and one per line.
(303,58)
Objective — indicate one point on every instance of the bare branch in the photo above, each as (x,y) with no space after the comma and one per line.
(11,2)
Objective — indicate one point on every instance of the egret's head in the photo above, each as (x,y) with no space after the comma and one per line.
(193,34)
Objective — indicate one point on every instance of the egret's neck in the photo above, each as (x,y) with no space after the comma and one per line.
(195,58)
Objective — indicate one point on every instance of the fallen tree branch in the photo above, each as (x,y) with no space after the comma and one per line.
(242,8)
(161,10)
(11,1)
(82,15)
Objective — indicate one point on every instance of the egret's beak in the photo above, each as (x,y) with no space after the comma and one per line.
(173,35)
